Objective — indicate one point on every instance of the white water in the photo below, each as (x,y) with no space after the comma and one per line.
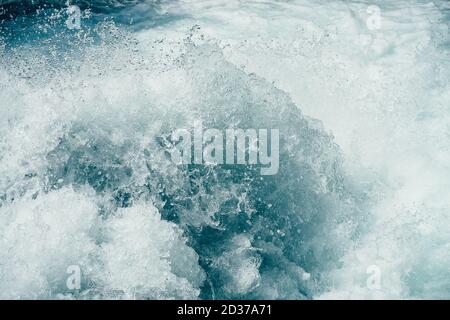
(383,94)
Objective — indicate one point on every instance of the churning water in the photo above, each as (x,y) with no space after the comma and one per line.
(364,176)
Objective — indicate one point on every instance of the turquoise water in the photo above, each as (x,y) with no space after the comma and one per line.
(363,115)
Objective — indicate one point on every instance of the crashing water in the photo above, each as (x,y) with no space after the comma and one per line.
(85,178)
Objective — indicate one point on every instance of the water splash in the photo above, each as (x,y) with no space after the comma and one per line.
(87,114)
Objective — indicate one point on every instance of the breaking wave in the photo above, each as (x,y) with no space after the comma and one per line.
(85,177)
